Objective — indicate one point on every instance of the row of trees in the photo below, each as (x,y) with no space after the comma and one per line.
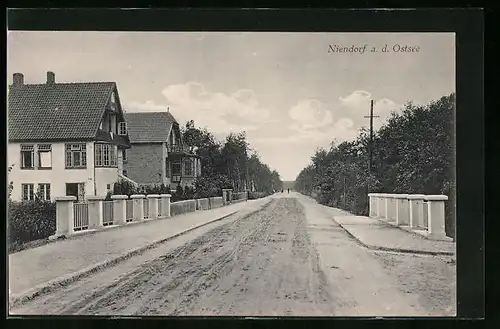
(412,153)
(228,164)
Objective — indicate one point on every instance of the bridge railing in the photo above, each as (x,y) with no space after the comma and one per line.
(414,211)
(97,213)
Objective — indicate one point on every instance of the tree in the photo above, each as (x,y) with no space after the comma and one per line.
(228,164)
(412,153)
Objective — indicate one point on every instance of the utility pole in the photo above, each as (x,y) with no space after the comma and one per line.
(371,116)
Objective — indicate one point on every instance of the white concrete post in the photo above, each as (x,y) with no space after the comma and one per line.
(95,211)
(372,208)
(393,207)
(224,196)
(376,204)
(153,205)
(402,209)
(416,206)
(230,196)
(64,216)
(138,204)
(119,209)
(165,205)
(436,218)
(382,206)
(388,206)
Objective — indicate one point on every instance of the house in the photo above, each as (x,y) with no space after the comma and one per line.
(64,138)
(158,155)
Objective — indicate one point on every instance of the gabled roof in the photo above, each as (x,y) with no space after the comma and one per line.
(149,127)
(57,111)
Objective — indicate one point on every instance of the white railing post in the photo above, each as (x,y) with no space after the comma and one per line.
(165,206)
(402,209)
(95,211)
(153,205)
(372,208)
(436,215)
(382,206)
(64,216)
(230,196)
(416,206)
(119,209)
(138,204)
(388,207)
(224,196)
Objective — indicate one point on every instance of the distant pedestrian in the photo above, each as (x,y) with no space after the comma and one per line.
(288,190)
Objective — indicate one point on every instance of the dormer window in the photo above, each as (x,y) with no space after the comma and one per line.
(122,128)
(112,97)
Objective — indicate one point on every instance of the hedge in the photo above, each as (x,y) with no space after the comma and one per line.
(30,221)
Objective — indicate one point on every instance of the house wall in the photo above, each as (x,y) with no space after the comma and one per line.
(145,163)
(58,176)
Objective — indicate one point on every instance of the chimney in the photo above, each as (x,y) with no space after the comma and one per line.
(51,78)
(17,79)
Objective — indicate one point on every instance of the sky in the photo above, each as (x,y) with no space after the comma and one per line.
(291,92)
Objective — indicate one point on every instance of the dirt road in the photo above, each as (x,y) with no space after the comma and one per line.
(267,264)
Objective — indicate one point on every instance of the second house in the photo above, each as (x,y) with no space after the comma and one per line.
(158,155)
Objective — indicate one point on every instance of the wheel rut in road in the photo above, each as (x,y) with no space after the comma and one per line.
(262,264)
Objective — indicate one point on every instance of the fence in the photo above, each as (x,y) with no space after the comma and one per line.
(420,213)
(241,196)
(107,213)
(129,211)
(97,213)
(81,216)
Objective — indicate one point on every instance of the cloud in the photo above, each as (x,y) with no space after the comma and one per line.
(360,100)
(220,112)
(342,130)
(310,114)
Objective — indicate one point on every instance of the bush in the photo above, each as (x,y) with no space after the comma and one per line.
(124,188)
(256,195)
(30,220)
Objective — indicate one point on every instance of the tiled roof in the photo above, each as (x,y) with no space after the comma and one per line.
(57,111)
(148,127)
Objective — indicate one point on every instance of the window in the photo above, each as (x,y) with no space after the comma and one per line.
(124,155)
(122,128)
(176,168)
(28,192)
(44,191)
(45,156)
(76,155)
(188,167)
(27,157)
(125,173)
(105,155)
(113,97)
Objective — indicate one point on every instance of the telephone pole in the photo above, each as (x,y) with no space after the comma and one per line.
(371,116)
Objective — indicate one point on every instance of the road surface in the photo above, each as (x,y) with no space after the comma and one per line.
(288,259)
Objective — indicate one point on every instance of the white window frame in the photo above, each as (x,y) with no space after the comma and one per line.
(24,149)
(30,196)
(44,191)
(122,128)
(188,167)
(70,150)
(105,155)
(175,173)
(44,148)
